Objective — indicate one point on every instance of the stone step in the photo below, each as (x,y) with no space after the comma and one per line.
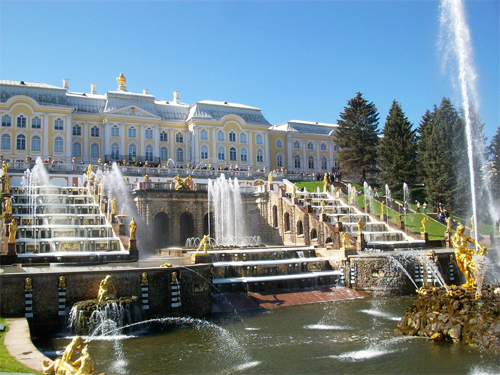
(258,279)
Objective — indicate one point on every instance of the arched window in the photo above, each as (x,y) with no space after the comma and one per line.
(260,156)
(148,133)
(286,222)
(115,151)
(310,162)
(204,152)
(115,131)
(58,145)
(179,154)
(324,163)
(76,151)
(94,131)
(163,153)
(132,132)
(297,162)
(132,153)
(221,153)
(36,123)
(244,154)
(275,216)
(94,151)
(179,138)
(5,142)
(300,228)
(232,154)
(6,121)
(279,143)
(149,153)
(314,234)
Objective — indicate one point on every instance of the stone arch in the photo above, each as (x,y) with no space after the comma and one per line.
(187,227)
(314,234)
(286,221)
(275,216)
(161,230)
(329,240)
(300,228)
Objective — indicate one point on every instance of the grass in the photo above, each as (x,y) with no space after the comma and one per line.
(9,363)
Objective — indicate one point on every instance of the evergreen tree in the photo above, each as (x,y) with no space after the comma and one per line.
(357,137)
(424,131)
(494,157)
(398,151)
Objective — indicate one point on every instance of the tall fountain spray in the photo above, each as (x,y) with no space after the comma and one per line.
(224,198)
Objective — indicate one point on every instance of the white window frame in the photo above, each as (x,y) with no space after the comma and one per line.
(58,145)
(58,124)
(36,123)
(36,139)
(3,140)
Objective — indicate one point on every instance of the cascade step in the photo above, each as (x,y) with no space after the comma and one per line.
(258,279)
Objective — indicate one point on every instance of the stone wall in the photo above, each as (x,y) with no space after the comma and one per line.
(194,286)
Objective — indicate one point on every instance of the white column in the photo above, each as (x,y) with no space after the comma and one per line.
(85,130)
(304,156)
(252,146)
(124,135)
(156,140)
(318,160)
(172,146)
(45,152)
(106,137)
(268,151)
(215,158)
(289,152)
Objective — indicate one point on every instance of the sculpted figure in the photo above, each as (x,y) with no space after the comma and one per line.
(270,178)
(89,172)
(133,229)
(203,244)
(12,231)
(463,255)
(323,207)
(382,206)
(144,278)
(65,365)
(28,284)
(345,241)
(174,278)
(8,207)
(62,282)
(4,169)
(325,180)
(107,290)
(146,178)
(361,225)
(424,220)
(6,184)
(182,184)
(448,222)
(113,206)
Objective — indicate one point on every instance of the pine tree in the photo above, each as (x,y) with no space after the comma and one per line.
(424,131)
(494,157)
(398,151)
(357,137)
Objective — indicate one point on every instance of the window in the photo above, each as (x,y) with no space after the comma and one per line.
(310,146)
(203,135)
(115,151)
(324,163)
(36,123)
(220,136)
(94,131)
(336,148)
(149,133)
(297,161)
(5,142)
(6,121)
(21,121)
(94,151)
(258,139)
(243,138)
(132,152)
(204,152)
(244,154)
(58,145)
(149,153)
(115,131)
(279,160)
(163,136)
(21,142)
(163,153)
(279,143)
(132,132)
(179,138)
(58,124)
(232,136)
(77,130)
(260,156)
(323,147)
(179,154)
(232,154)
(310,162)
(36,143)
(77,150)
(296,144)
(221,153)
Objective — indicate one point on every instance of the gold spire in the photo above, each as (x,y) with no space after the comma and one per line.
(121,80)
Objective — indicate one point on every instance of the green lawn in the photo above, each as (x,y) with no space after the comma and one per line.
(7,362)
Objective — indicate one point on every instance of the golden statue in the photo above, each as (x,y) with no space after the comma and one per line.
(345,242)
(147,179)
(361,225)
(146,164)
(8,207)
(133,229)
(113,206)
(144,278)
(203,244)
(463,255)
(424,220)
(107,290)
(325,180)
(28,284)
(4,169)
(12,231)
(448,226)
(270,178)
(99,161)
(166,265)
(382,207)
(126,180)
(6,184)
(121,80)
(182,184)
(89,172)
(323,207)
(62,282)
(174,278)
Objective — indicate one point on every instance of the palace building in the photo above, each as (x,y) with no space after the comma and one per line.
(53,122)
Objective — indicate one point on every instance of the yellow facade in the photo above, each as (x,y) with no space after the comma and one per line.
(53,122)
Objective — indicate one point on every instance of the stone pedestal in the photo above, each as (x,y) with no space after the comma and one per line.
(121,229)
(360,243)
(383,217)
(201,258)
(401,225)
(113,218)
(447,239)
(133,252)
(367,209)
(424,236)
(295,201)
(339,226)
(322,217)
(11,248)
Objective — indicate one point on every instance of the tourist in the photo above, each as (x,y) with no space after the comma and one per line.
(376,192)
(418,206)
(425,207)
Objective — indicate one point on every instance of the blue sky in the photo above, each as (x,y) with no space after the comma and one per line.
(293,59)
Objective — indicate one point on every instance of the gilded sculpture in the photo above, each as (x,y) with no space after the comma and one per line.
(12,231)
(463,255)
(62,282)
(203,244)
(28,284)
(146,178)
(144,278)
(448,224)
(89,172)
(122,81)
(361,225)
(382,207)
(107,290)
(6,184)
(323,207)
(325,180)
(8,207)
(133,229)
(270,178)
(4,169)
(345,242)
(174,278)
(182,184)
(423,222)
(113,206)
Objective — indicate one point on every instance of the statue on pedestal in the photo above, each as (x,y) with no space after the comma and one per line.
(424,220)
(133,228)
(463,255)
(8,207)
(12,231)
